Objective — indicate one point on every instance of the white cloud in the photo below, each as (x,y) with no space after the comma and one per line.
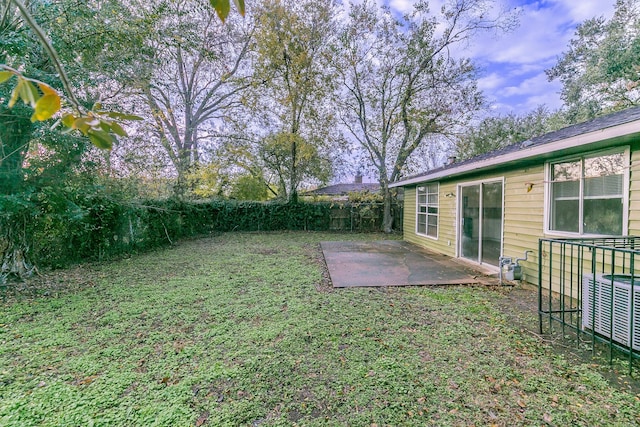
(530,86)
(582,10)
(525,95)
(544,30)
(515,62)
(401,6)
(521,57)
(550,99)
(491,82)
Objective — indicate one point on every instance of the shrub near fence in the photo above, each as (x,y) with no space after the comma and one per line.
(96,228)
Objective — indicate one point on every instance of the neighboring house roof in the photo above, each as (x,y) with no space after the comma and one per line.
(604,131)
(344,189)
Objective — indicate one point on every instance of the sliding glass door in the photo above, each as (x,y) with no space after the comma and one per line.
(480,230)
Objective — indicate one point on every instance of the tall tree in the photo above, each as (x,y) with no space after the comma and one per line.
(294,54)
(98,125)
(43,168)
(101,127)
(402,85)
(195,80)
(600,71)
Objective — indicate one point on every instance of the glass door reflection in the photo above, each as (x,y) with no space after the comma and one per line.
(481,222)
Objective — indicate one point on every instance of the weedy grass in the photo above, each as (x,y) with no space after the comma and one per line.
(241,329)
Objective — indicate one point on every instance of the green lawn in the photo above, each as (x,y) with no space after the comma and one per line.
(241,329)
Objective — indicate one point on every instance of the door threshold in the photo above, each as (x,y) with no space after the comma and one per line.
(486,269)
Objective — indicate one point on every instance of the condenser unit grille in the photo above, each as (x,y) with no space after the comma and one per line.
(607,309)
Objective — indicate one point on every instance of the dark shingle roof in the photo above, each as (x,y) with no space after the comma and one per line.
(600,123)
(344,189)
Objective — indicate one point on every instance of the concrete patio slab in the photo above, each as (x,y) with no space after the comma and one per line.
(392,263)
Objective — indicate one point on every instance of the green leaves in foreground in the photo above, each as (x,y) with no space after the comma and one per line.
(45,102)
(101,127)
(223,7)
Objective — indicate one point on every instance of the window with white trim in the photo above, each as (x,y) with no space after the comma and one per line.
(587,194)
(427,209)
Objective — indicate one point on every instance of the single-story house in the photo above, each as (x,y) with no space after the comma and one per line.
(578,182)
(341,191)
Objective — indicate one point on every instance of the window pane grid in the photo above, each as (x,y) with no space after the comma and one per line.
(427,210)
(587,195)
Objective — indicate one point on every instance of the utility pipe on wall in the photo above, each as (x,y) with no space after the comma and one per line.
(514,269)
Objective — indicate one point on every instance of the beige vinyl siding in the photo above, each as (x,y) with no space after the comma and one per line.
(524,217)
(445,243)
(634,194)
(409,221)
(570,284)
(524,214)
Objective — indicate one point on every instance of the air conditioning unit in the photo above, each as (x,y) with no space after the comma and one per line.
(606,307)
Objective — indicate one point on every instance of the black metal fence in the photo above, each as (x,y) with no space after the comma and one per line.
(589,286)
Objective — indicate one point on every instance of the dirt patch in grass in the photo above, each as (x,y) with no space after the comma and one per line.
(316,256)
(49,284)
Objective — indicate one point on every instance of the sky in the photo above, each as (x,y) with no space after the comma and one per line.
(513,64)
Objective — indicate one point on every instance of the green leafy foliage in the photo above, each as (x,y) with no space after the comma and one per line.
(600,69)
(493,133)
(15,134)
(45,102)
(248,187)
(365,197)
(287,155)
(294,61)
(5,75)
(59,227)
(240,329)
(403,91)
(101,127)
(193,80)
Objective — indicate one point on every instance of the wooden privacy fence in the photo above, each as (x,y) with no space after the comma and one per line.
(363,217)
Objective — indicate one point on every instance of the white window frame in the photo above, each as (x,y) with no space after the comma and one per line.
(549,181)
(427,206)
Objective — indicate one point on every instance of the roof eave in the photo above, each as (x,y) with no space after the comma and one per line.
(613,132)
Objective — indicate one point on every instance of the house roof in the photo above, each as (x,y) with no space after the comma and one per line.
(608,130)
(344,189)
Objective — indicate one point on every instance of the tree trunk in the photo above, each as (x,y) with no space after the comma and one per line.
(387,216)
(182,167)
(293,184)
(13,257)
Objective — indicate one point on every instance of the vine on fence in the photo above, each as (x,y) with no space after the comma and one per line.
(50,229)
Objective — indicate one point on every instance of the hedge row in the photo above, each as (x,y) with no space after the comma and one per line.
(55,233)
